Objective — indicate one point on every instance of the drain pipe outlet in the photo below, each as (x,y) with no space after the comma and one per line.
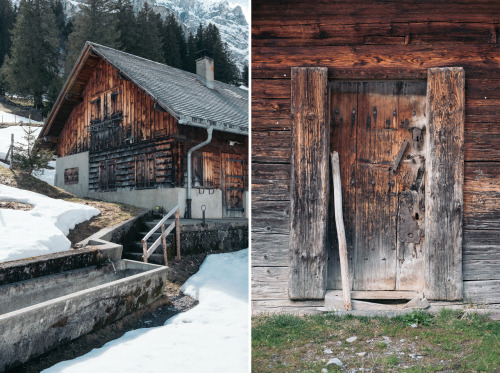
(189,170)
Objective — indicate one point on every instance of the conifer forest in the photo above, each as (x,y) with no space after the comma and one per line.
(39,43)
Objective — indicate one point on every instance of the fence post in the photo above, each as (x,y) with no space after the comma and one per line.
(164,241)
(144,251)
(11,151)
(178,234)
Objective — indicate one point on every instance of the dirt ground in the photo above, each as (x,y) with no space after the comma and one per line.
(170,304)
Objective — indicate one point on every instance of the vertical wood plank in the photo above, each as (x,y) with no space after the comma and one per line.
(343,100)
(444,183)
(309,183)
(411,114)
(378,144)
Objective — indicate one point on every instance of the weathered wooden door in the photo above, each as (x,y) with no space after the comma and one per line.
(233,185)
(395,141)
(378,129)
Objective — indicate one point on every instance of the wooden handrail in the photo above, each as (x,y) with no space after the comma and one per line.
(162,239)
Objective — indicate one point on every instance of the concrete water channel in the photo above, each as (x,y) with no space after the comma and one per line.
(52,299)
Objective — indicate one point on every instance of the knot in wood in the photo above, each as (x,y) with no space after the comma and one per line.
(310,117)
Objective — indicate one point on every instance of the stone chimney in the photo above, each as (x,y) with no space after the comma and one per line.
(205,71)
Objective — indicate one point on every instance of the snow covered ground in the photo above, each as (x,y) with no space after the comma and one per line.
(212,337)
(5,134)
(40,231)
(12,118)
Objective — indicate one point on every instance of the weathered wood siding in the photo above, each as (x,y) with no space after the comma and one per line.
(366,40)
(140,120)
(136,144)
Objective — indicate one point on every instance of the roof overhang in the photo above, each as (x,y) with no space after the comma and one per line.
(216,125)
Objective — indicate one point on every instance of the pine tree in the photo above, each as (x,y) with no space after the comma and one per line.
(150,45)
(171,42)
(225,68)
(127,27)
(33,63)
(191,54)
(200,44)
(30,157)
(244,75)
(97,22)
(7,18)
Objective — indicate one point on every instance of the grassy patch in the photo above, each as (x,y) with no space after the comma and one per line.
(450,341)
(111,213)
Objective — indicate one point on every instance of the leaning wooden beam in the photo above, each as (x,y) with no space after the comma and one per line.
(339,221)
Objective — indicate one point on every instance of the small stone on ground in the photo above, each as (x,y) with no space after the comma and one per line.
(335,361)
(351,339)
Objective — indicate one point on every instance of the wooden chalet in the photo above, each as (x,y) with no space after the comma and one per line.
(127,129)
(407,92)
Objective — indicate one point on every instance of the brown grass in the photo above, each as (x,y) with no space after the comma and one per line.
(111,213)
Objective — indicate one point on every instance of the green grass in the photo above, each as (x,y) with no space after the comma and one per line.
(449,341)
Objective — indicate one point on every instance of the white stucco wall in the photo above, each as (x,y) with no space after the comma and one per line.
(147,198)
(80,160)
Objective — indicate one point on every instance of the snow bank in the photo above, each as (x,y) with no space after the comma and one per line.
(5,134)
(212,337)
(41,230)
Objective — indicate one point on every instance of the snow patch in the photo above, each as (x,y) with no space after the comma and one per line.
(212,337)
(46,175)
(40,231)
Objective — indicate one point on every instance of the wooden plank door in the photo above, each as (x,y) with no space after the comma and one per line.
(343,106)
(233,185)
(379,140)
(371,122)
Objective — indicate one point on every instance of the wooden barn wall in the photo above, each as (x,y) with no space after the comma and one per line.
(140,119)
(371,40)
(220,144)
(154,134)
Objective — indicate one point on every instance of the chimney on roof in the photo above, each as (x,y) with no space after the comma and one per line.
(205,69)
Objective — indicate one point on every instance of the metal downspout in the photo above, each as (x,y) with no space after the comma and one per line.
(189,171)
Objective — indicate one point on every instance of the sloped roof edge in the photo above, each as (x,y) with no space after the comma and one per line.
(194,120)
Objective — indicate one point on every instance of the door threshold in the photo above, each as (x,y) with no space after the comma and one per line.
(376,301)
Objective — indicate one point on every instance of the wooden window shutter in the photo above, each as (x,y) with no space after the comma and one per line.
(309,185)
(444,183)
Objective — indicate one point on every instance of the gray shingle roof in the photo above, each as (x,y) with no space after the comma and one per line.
(181,93)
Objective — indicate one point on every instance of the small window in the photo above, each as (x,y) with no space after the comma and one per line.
(144,171)
(107,175)
(95,110)
(71,176)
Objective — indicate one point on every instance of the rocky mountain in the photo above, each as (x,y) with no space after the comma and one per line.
(229,19)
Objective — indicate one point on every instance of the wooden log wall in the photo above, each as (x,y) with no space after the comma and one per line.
(366,40)
(140,119)
(139,138)
(211,153)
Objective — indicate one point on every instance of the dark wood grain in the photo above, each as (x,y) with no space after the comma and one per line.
(309,190)
(444,183)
